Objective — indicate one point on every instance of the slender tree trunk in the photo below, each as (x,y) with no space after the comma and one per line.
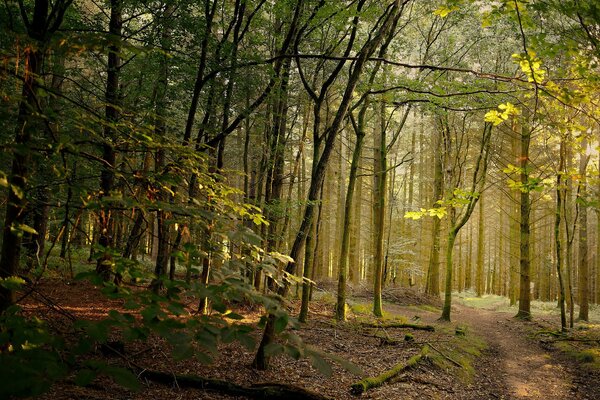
(340,313)
(379,202)
(524,258)
(104,266)
(557,238)
(433,271)
(480,248)
(583,273)
(448,287)
(355,231)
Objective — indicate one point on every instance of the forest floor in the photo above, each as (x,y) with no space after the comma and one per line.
(482,354)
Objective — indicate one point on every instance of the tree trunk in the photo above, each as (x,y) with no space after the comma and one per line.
(524,256)
(40,28)
(379,201)
(433,271)
(340,313)
(557,238)
(480,240)
(104,266)
(448,287)
(583,273)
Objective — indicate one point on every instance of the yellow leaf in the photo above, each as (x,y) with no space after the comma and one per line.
(443,11)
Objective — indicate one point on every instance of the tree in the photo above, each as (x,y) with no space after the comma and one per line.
(40,26)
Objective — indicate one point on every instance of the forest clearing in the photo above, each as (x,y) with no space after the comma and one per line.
(310,199)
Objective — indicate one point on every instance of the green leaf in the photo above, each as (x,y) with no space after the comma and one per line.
(84,377)
(320,364)
(123,377)
(281,323)
(12,282)
(272,349)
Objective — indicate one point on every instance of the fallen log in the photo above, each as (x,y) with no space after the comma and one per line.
(376,381)
(406,325)
(272,391)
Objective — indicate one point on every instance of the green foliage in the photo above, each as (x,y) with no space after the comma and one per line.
(30,360)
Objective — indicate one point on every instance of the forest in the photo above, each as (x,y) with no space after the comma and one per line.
(300,199)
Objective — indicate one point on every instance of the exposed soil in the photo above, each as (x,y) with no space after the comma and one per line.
(514,365)
(517,366)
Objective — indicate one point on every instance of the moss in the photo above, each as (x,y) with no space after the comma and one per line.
(428,308)
(376,381)
(361,308)
(590,356)
(461,350)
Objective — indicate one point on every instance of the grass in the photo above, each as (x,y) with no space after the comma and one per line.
(502,304)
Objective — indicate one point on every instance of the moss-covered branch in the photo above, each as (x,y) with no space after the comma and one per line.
(376,381)
(405,325)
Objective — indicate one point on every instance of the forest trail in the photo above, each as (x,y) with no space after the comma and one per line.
(515,366)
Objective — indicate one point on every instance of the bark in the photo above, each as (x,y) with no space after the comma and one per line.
(104,266)
(433,271)
(448,286)
(524,229)
(417,327)
(348,215)
(160,130)
(379,201)
(557,239)
(583,273)
(173,258)
(40,28)
(480,241)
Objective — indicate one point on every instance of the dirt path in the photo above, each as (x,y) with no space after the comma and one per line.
(516,367)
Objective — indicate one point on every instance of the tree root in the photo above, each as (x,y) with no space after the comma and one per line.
(376,381)
(272,391)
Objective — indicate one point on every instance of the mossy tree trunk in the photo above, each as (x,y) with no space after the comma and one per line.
(583,273)
(557,237)
(480,287)
(524,228)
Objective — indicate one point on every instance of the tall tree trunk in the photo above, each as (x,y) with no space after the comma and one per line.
(448,286)
(480,287)
(433,271)
(340,312)
(379,201)
(524,255)
(40,28)
(104,266)
(160,130)
(355,231)
(557,236)
(583,273)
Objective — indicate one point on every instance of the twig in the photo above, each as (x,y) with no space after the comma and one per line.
(446,356)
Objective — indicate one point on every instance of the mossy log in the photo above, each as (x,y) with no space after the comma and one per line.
(406,325)
(376,381)
(272,391)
